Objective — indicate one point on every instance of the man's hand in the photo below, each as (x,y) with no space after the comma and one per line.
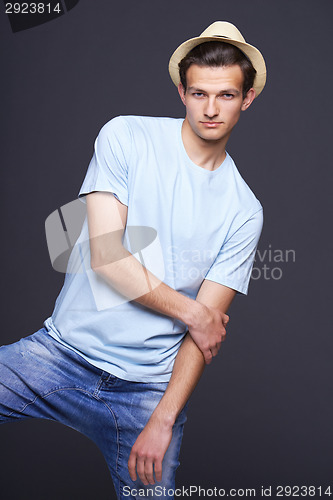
(148,451)
(208,330)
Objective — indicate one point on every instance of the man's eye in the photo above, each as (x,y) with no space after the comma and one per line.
(198,94)
(228,96)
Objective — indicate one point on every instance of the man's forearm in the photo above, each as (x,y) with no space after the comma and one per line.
(189,363)
(129,277)
(187,370)
(109,258)
(148,451)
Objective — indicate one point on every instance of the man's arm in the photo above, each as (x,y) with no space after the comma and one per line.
(109,259)
(151,445)
(205,318)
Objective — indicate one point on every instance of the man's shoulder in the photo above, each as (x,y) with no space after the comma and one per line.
(125,130)
(136,121)
(246,197)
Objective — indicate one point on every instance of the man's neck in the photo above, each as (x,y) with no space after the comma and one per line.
(204,153)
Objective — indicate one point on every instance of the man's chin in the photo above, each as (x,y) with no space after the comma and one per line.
(210,136)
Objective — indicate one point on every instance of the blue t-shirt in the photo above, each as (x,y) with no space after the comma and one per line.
(184,223)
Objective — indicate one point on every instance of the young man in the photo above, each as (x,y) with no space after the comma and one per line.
(169,239)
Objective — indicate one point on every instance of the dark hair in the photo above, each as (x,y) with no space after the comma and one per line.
(218,54)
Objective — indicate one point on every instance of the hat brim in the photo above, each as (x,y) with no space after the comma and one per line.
(251,52)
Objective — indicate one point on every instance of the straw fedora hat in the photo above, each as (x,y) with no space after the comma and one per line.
(224,32)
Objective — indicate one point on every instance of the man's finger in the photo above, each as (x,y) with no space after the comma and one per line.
(149,472)
(132,466)
(214,351)
(140,467)
(158,470)
(208,356)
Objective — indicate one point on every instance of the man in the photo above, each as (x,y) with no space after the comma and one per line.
(169,239)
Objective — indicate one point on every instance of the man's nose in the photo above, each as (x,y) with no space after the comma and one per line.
(211,108)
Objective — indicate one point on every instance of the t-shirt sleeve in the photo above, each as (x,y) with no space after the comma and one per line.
(108,169)
(233,264)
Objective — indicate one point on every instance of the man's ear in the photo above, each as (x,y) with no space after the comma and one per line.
(248,99)
(181,92)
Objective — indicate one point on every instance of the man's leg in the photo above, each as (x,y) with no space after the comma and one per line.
(41,378)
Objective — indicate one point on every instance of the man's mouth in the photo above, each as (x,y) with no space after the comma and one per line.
(211,124)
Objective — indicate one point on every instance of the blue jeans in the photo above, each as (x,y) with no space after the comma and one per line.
(41,378)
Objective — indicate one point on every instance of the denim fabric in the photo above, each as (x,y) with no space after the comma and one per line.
(41,378)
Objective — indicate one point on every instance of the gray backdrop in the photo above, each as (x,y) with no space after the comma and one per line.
(262,413)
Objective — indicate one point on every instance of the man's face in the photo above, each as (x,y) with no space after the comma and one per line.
(214,100)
